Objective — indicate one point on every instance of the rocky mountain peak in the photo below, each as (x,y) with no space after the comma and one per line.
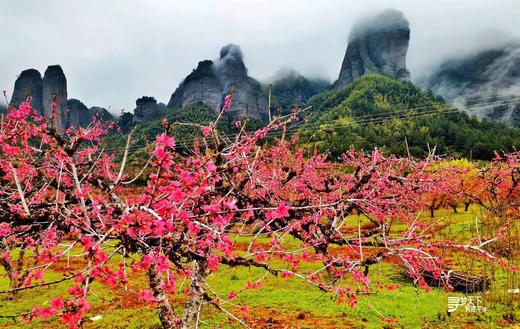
(70,113)
(55,87)
(77,114)
(377,44)
(146,109)
(230,67)
(28,83)
(211,81)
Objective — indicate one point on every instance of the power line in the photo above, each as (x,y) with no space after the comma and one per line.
(361,120)
(367,119)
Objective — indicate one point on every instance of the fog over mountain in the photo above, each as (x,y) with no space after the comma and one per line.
(113,52)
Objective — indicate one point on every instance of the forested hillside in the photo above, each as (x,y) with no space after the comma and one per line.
(378,111)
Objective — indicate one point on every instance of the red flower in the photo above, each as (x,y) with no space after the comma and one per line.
(232,295)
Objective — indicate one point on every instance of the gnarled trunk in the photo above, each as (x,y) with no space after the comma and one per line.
(191,316)
(164,307)
(13,272)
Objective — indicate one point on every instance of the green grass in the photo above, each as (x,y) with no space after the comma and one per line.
(292,302)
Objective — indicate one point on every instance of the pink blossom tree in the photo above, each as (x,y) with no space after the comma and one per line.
(60,188)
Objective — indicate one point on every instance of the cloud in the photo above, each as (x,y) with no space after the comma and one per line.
(386,20)
(114,51)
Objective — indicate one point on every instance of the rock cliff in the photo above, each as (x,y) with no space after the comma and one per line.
(201,85)
(78,114)
(70,113)
(101,113)
(146,109)
(211,81)
(377,45)
(55,87)
(28,83)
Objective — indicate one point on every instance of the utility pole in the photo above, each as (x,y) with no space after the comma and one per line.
(269,105)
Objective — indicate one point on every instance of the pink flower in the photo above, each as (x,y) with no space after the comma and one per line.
(178,195)
(87,243)
(72,318)
(211,208)
(10,150)
(45,312)
(232,295)
(282,210)
(165,141)
(4,229)
(146,295)
(423,284)
(206,131)
(213,261)
(230,205)
(227,103)
(56,304)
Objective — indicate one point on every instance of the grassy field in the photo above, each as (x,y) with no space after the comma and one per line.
(291,303)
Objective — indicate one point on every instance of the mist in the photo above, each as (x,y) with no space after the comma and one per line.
(377,22)
(115,51)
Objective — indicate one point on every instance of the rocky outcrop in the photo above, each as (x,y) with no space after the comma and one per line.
(377,45)
(126,122)
(485,84)
(78,114)
(211,81)
(202,85)
(28,84)
(55,88)
(146,109)
(70,113)
(101,113)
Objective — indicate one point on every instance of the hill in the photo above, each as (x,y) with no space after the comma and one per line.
(492,73)
(291,88)
(379,111)
(146,131)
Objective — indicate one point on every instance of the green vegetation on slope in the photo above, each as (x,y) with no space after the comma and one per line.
(399,112)
(294,90)
(144,132)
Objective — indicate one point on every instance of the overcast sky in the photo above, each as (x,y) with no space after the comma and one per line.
(114,51)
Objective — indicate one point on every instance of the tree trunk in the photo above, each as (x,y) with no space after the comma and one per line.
(13,284)
(454,207)
(466,206)
(13,278)
(432,212)
(164,307)
(191,316)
